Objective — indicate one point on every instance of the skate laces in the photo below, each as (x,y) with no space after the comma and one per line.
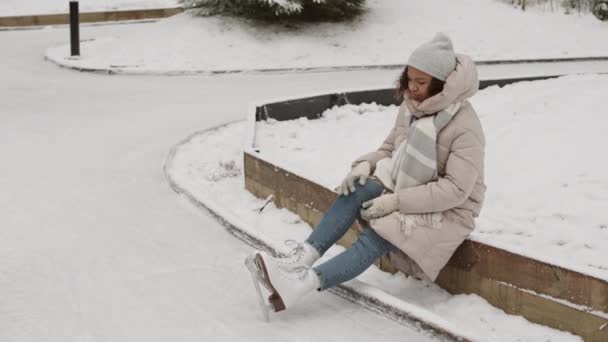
(297,248)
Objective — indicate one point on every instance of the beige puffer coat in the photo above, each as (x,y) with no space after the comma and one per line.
(457,195)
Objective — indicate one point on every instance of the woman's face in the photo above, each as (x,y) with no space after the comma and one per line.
(418,84)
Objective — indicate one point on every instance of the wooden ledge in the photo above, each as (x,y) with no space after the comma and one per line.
(88,17)
(542,293)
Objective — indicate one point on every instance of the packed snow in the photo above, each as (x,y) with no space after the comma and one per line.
(386,34)
(209,166)
(10,8)
(547,190)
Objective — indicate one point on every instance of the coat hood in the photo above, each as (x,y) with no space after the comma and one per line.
(461,84)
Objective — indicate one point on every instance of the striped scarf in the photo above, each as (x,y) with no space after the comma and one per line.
(415,161)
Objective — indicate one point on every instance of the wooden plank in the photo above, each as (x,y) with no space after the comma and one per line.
(88,17)
(474,268)
(558,282)
(534,308)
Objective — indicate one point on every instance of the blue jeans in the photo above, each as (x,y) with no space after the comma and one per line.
(334,224)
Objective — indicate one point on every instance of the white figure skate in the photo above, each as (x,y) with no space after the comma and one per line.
(285,287)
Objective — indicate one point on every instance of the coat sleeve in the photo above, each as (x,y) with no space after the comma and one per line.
(385,150)
(462,170)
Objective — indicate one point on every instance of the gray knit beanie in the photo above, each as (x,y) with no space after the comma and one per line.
(436,57)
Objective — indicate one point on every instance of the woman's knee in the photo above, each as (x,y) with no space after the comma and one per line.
(367,191)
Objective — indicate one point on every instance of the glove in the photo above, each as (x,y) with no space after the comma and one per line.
(379,207)
(361,172)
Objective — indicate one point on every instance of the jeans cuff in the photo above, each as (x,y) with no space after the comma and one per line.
(315,246)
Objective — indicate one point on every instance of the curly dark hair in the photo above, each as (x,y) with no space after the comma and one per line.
(435,87)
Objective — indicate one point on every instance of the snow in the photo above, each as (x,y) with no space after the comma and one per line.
(547,191)
(199,165)
(386,34)
(36,7)
(96,246)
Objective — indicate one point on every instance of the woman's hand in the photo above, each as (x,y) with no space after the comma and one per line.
(361,172)
(379,207)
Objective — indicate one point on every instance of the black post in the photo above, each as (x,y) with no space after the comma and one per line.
(74,29)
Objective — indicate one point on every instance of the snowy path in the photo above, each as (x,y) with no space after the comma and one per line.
(96,246)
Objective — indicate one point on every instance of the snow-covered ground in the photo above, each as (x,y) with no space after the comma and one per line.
(35,7)
(96,246)
(547,186)
(209,166)
(386,34)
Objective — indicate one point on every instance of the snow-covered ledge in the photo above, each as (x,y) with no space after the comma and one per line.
(543,293)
